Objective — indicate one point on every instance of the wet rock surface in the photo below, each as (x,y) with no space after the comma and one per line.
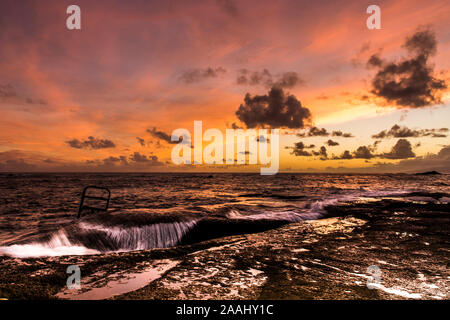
(400,248)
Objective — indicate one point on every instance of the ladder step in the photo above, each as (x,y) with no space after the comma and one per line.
(84,196)
(96,198)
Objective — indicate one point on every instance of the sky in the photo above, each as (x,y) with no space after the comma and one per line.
(107,97)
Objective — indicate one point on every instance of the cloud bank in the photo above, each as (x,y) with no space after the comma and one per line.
(91,143)
(404,132)
(284,80)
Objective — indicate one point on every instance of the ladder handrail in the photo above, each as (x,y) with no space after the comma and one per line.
(84,196)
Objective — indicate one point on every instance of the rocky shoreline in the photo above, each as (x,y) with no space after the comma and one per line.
(406,243)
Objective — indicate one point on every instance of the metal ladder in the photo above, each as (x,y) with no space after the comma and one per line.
(85,195)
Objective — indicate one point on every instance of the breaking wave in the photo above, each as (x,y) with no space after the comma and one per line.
(159,235)
(86,238)
(59,245)
(127,232)
(288,216)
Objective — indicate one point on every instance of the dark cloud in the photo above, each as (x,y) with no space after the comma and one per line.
(122,160)
(314,132)
(322,153)
(276,110)
(301,153)
(142,158)
(91,143)
(438,135)
(346,155)
(198,75)
(339,133)
(111,159)
(363,152)
(322,132)
(96,162)
(331,143)
(422,43)
(36,101)
(375,61)
(401,150)
(285,80)
(229,6)
(161,135)
(288,80)
(166,137)
(235,126)
(376,143)
(7,91)
(135,160)
(409,82)
(141,141)
(404,132)
(246,77)
(299,149)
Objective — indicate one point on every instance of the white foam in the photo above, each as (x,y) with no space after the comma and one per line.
(319,206)
(160,235)
(316,209)
(397,292)
(59,245)
(290,216)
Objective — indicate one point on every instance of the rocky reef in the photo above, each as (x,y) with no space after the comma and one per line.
(373,249)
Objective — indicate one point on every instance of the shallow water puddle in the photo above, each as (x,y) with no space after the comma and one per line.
(118,283)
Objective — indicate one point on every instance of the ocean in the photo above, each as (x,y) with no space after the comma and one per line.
(38,212)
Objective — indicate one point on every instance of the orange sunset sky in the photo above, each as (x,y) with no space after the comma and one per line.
(105,98)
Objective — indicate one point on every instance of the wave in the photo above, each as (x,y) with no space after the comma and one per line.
(85,239)
(288,216)
(158,235)
(320,205)
(58,245)
(117,232)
